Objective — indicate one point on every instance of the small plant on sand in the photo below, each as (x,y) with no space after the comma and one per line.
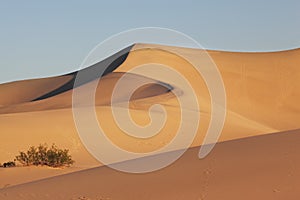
(8,164)
(44,155)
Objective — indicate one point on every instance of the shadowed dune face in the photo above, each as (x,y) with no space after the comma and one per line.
(102,97)
(91,73)
(262,97)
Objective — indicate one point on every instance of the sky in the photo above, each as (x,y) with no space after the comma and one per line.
(47,38)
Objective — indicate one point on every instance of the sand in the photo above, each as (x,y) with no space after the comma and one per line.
(260,167)
(262,99)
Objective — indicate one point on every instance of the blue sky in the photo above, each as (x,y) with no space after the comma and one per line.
(45,38)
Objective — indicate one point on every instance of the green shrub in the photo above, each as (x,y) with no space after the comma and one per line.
(43,155)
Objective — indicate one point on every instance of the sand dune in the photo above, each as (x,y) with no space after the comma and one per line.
(102,98)
(262,98)
(26,91)
(259,86)
(261,167)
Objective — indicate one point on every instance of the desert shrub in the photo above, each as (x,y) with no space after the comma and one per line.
(44,155)
(8,164)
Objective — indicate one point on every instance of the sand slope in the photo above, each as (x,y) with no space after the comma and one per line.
(262,97)
(261,167)
(27,90)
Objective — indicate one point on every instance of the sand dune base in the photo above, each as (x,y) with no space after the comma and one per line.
(261,167)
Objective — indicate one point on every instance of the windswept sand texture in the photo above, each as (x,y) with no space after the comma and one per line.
(263,97)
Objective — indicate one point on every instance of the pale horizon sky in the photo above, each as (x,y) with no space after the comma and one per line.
(40,39)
